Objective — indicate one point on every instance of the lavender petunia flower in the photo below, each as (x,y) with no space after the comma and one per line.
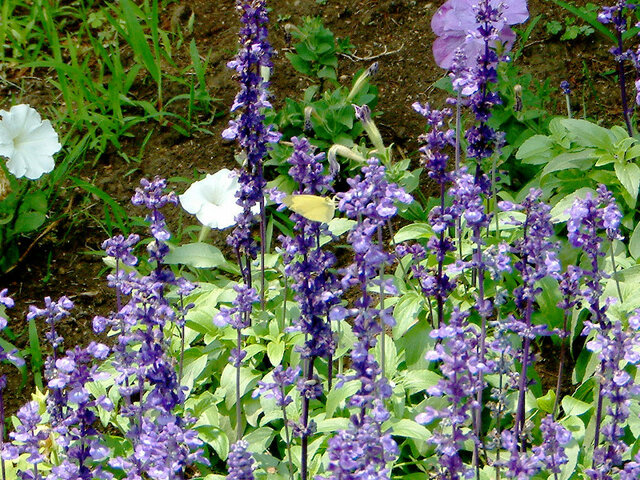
(456,26)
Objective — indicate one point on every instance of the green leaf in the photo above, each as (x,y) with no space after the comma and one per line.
(259,439)
(634,243)
(536,150)
(406,312)
(338,226)
(216,437)
(298,63)
(587,134)
(36,354)
(332,424)
(337,396)
(413,232)
(629,176)
(196,255)
(248,380)
(550,314)
(407,428)
(36,201)
(581,160)
(138,40)
(416,342)
(574,407)
(275,352)
(547,402)
(28,222)
(194,363)
(415,381)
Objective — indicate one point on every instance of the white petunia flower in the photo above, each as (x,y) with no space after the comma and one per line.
(213,199)
(28,142)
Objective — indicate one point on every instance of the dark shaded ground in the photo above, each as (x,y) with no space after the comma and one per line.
(394,32)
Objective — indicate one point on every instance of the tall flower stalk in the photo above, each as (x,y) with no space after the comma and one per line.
(441,218)
(537,260)
(616,14)
(364,449)
(316,287)
(141,358)
(249,130)
(6,302)
(587,218)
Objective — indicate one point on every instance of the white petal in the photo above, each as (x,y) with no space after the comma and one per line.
(17,166)
(192,200)
(210,216)
(43,138)
(37,165)
(21,119)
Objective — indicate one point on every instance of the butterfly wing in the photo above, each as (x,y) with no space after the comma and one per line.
(311,207)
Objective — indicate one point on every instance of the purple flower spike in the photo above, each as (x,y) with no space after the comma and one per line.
(240,462)
(8,303)
(554,438)
(53,313)
(361,452)
(152,195)
(27,436)
(122,249)
(248,128)
(275,389)
(616,346)
(461,369)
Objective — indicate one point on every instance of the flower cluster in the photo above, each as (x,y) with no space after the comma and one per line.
(315,286)
(435,283)
(238,317)
(617,15)
(241,463)
(538,257)
(80,441)
(616,347)
(587,218)
(461,368)
(7,302)
(550,455)
(362,451)
(275,389)
(309,267)
(140,355)
(152,196)
(370,200)
(27,437)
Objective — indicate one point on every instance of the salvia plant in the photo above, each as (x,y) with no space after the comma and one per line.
(353,343)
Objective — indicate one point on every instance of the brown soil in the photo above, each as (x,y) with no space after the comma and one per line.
(395,32)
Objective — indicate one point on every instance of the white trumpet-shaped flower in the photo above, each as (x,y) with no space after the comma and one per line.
(28,142)
(213,199)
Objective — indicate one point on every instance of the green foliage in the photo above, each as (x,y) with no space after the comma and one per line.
(579,154)
(568,29)
(316,50)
